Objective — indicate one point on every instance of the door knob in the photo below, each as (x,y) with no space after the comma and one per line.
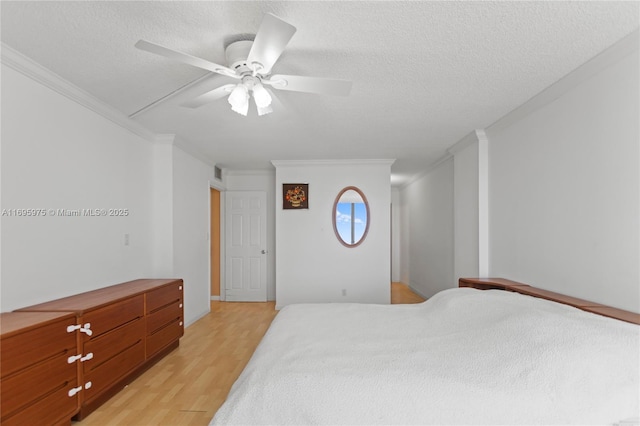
(264,252)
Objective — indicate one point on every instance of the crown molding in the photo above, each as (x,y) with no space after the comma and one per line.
(616,52)
(184,146)
(248,172)
(193,151)
(28,67)
(164,139)
(475,137)
(429,169)
(471,139)
(297,163)
(482,136)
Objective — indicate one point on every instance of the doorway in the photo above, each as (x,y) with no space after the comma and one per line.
(215,243)
(245,277)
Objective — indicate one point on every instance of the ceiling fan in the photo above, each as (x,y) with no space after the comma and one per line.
(250,62)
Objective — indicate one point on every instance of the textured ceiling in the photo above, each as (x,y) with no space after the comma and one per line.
(425,73)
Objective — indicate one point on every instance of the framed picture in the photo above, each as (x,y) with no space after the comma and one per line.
(295,196)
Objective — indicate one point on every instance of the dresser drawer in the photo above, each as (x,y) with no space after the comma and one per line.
(57,408)
(21,390)
(37,344)
(110,317)
(113,370)
(164,316)
(108,345)
(163,296)
(164,336)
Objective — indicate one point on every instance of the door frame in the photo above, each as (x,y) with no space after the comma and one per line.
(220,188)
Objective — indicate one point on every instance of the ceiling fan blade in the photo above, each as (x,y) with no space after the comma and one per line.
(322,86)
(185,58)
(210,96)
(282,108)
(271,39)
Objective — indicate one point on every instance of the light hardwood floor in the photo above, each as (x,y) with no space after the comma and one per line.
(189,385)
(401,293)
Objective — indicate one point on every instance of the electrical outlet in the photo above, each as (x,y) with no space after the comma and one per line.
(126,239)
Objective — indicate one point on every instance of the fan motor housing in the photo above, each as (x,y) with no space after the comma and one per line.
(237,53)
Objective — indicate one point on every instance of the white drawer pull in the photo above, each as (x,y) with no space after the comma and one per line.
(180,305)
(87,357)
(72,328)
(86,329)
(87,385)
(74,391)
(180,323)
(179,287)
(73,358)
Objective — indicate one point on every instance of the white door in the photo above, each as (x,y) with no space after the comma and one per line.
(246,246)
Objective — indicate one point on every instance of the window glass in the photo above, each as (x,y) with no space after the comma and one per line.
(351,216)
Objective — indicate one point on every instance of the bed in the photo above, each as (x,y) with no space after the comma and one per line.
(484,353)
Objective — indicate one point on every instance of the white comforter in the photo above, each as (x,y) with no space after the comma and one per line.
(464,356)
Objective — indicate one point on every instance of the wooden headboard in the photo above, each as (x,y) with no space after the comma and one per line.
(585,305)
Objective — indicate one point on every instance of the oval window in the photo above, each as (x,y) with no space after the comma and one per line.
(351,216)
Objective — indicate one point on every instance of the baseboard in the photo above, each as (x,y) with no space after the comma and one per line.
(215,297)
(417,292)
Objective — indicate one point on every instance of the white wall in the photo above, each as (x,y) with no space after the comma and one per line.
(60,155)
(470,195)
(162,201)
(191,221)
(550,196)
(260,180)
(311,264)
(564,189)
(428,231)
(466,212)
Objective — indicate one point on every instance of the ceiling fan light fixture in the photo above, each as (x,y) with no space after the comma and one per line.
(239,95)
(241,109)
(261,96)
(264,110)
(239,99)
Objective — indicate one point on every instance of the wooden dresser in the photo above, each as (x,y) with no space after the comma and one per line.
(37,381)
(121,331)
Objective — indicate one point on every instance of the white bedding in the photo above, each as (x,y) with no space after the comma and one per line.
(465,356)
